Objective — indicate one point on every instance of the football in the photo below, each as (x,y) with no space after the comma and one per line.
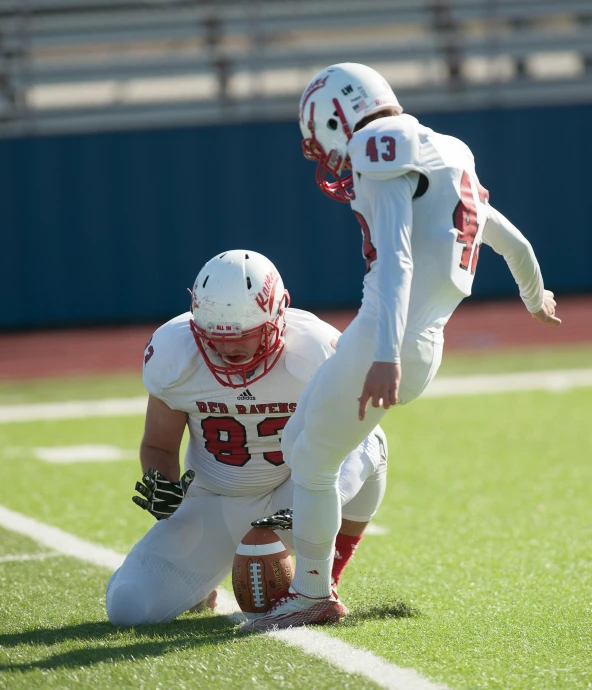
(262,567)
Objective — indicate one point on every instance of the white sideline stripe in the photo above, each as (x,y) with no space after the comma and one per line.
(354,660)
(79,409)
(58,540)
(375,530)
(340,654)
(552,381)
(28,557)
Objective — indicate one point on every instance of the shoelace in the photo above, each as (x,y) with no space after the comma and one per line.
(281,597)
(285,594)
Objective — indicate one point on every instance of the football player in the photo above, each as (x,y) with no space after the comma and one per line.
(231,371)
(423,215)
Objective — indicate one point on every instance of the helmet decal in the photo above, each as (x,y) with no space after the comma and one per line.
(310,89)
(265,298)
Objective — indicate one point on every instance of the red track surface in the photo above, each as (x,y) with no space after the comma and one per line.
(474,326)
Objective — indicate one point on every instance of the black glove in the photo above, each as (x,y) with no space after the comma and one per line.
(280,520)
(162,497)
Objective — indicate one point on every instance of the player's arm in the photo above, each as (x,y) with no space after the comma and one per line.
(391,203)
(505,239)
(161,488)
(163,433)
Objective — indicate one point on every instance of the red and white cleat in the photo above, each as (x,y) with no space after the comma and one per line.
(291,610)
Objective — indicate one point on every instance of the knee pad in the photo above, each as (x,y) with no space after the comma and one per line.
(126,604)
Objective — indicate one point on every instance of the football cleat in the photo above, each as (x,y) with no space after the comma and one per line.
(208,603)
(291,610)
(280,520)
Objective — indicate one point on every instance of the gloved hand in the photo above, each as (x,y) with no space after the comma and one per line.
(161,497)
(280,520)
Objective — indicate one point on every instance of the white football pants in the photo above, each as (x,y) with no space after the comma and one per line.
(182,559)
(325,426)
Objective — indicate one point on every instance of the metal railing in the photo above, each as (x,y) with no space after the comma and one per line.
(71,65)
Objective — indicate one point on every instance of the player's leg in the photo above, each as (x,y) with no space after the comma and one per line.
(325,429)
(421,356)
(174,566)
(181,560)
(362,484)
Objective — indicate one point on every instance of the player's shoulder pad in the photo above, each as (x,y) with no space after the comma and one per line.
(387,147)
(170,356)
(309,342)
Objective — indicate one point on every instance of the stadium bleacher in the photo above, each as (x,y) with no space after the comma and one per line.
(76,65)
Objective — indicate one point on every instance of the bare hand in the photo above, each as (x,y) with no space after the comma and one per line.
(381,386)
(547,313)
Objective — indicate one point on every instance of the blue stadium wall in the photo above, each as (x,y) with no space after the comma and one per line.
(113,227)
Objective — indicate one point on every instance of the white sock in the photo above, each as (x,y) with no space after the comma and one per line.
(313,577)
(317,518)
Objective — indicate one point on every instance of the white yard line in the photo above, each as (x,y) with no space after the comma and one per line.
(552,381)
(346,657)
(58,540)
(28,557)
(354,660)
(80,409)
(375,530)
(445,386)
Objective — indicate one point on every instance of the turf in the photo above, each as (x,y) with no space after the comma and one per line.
(70,388)
(489,542)
(533,359)
(482,581)
(55,635)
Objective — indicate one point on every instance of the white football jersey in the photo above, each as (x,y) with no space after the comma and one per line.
(449,211)
(235,433)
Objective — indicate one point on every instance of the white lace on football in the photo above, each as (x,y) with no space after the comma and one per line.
(257,584)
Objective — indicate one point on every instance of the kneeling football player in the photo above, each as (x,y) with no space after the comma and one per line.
(232,371)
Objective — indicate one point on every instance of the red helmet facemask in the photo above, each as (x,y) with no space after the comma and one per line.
(271,344)
(329,165)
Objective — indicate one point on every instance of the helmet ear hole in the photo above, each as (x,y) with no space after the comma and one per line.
(332,124)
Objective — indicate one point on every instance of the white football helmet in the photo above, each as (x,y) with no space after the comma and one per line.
(239,298)
(332,104)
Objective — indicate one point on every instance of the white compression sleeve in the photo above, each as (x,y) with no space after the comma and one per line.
(505,239)
(392,216)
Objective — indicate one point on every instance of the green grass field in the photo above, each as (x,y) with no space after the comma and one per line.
(483,579)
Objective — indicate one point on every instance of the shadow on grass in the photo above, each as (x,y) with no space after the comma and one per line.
(100,642)
(396,609)
(118,644)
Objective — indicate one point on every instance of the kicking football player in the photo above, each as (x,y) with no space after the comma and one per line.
(423,215)
(232,372)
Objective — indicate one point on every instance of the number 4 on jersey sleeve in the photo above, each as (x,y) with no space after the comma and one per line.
(465,221)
